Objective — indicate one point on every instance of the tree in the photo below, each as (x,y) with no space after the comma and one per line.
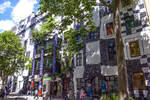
(82,10)
(12,56)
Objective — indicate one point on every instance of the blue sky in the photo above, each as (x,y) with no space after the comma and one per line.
(12,11)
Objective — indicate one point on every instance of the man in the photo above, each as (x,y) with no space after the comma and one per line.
(45,95)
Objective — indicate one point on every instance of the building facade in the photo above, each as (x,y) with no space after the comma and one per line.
(99,53)
(23,30)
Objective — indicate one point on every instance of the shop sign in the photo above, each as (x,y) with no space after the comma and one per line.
(47,79)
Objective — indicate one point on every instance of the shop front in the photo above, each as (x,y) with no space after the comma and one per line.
(110,79)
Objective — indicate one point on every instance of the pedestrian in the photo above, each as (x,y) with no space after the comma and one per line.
(90,90)
(45,95)
(82,94)
(36,94)
(59,90)
(78,94)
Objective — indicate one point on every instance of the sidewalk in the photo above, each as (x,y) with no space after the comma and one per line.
(26,97)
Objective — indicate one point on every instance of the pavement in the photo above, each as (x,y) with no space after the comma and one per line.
(26,98)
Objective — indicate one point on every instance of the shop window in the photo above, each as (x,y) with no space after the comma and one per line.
(112,83)
(134,48)
(138,81)
(111,51)
(110,28)
(95,86)
(80,83)
(79,59)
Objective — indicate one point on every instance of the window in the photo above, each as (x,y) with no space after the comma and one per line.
(130,23)
(25,44)
(79,59)
(28,54)
(112,83)
(138,81)
(134,48)
(80,82)
(93,34)
(111,51)
(38,51)
(31,42)
(109,28)
(47,45)
(37,64)
(48,63)
(79,38)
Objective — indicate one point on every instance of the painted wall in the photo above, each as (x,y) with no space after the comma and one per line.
(92,53)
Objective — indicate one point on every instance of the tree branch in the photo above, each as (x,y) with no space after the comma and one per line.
(106,4)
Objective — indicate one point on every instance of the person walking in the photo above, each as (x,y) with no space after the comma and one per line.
(45,95)
(82,94)
(36,97)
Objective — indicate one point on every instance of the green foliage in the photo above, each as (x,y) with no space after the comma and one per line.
(71,11)
(113,97)
(12,56)
(29,65)
(46,30)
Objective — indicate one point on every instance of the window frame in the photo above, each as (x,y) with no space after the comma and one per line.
(79,57)
(109,28)
(134,48)
(111,51)
(139,83)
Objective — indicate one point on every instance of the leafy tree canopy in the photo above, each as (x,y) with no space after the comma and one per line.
(12,56)
(78,11)
(47,28)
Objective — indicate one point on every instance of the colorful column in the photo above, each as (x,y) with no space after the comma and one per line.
(41,62)
(41,73)
(54,55)
(34,54)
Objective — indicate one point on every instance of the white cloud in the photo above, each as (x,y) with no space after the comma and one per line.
(6,25)
(23,9)
(4,6)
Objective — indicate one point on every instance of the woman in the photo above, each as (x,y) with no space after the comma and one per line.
(82,94)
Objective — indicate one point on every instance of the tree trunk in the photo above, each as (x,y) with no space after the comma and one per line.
(3,82)
(121,62)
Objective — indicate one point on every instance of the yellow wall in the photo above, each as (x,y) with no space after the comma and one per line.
(147,5)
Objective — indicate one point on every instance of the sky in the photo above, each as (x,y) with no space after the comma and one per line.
(12,11)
